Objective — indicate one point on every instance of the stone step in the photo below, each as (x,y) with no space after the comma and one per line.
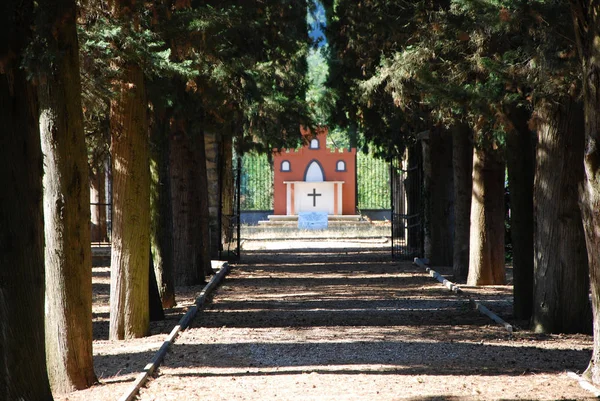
(330,218)
(291,223)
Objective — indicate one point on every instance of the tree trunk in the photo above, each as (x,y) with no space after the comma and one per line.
(23,374)
(129,311)
(213,145)
(586,15)
(182,187)
(161,206)
(427,173)
(462,164)
(99,227)
(486,247)
(561,287)
(520,160)
(440,198)
(66,205)
(227,185)
(590,205)
(155,304)
(202,212)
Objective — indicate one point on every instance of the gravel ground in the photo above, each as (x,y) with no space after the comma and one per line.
(338,321)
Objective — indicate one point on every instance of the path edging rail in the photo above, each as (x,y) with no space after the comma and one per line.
(182,325)
(457,290)
(585,384)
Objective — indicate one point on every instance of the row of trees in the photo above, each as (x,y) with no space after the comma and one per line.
(147,81)
(488,87)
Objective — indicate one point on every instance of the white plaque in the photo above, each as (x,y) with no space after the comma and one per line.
(312,220)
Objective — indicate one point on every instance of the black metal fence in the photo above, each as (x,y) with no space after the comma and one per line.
(373,183)
(407,209)
(256,183)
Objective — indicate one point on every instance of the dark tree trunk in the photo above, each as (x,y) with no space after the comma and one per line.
(99,228)
(439,189)
(161,233)
(182,193)
(462,164)
(427,173)
(23,374)
(202,219)
(156,309)
(227,186)
(520,160)
(129,310)
(486,248)
(66,204)
(561,288)
(586,15)
(213,146)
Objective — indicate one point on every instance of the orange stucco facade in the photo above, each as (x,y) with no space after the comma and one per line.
(291,165)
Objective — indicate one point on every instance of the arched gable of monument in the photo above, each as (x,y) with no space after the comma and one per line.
(314,172)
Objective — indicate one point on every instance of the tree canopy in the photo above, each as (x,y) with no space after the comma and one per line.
(235,60)
(398,68)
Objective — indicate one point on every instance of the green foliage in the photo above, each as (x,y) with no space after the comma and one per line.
(235,67)
(338,138)
(111,43)
(257,76)
(359,35)
(444,63)
(319,97)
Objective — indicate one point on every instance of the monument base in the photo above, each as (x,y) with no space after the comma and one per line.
(312,220)
(332,221)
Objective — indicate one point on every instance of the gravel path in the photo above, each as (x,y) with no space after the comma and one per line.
(340,321)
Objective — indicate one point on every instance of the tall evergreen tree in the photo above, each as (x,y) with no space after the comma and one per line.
(251,83)
(129,302)
(23,374)
(486,259)
(462,168)
(520,166)
(212,66)
(66,201)
(561,282)
(360,35)
(561,290)
(458,62)
(586,14)
(161,205)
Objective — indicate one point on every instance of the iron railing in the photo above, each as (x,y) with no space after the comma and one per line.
(373,182)
(407,206)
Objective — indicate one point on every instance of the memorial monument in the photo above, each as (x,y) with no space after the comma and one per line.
(314,178)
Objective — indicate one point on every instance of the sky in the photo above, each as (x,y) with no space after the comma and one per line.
(315,22)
